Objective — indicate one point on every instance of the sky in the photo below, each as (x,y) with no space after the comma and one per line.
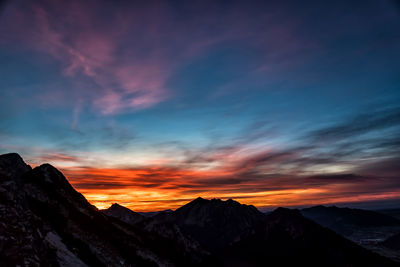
(151,104)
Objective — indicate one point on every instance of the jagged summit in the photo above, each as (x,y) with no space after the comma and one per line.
(12,156)
(209,207)
(51,175)
(285,212)
(13,166)
(213,202)
(45,181)
(200,210)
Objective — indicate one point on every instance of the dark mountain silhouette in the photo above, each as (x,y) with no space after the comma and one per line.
(154,213)
(124,214)
(332,215)
(390,247)
(395,213)
(12,165)
(164,237)
(162,227)
(367,228)
(216,223)
(286,238)
(282,238)
(44,221)
(393,242)
(347,221)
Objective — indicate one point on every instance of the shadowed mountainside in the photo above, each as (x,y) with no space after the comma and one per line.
(365,227)
(392,246)
(216,223)
(393,242)
(282,238)
(345,220)
(371,229)
(286,238)
(395,213)
(45,222)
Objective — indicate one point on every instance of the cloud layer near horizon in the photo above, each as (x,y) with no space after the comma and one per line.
(342,162)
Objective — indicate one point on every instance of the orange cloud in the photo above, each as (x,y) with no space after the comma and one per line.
(158,188)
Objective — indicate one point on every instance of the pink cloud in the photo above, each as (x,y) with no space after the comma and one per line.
(120,59)
(88,51)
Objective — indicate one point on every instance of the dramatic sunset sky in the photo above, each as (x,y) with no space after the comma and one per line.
(153,103)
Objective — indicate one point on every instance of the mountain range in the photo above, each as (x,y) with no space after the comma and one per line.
(44,221)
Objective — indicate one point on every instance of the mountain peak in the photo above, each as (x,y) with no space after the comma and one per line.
(322,207)
(48,174)
(11,156)
(199,200)
(116,206)
(216,223)
(13,166)
(123,213)
(205,206)
(213,201)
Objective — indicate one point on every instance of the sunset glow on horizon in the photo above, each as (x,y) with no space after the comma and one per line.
(151,104)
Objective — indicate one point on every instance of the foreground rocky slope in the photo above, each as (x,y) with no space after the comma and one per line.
(45,222)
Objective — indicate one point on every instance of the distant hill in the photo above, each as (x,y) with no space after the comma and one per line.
(393,242)
(391,247)
(347,221)
(124,214)
(154,213)
(395,213)
(367,228)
